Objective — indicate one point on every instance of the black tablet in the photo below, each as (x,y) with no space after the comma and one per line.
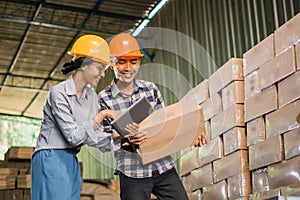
(136,113)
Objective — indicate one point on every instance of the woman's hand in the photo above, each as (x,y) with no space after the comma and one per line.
(134,136)
(111,114)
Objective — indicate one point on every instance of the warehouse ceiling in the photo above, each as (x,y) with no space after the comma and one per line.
(36,34)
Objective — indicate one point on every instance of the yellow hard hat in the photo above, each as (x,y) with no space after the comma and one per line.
(92,46)
(124,45)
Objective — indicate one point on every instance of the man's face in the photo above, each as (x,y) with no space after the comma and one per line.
(128,68)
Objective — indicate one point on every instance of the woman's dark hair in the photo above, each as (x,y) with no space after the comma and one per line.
(74,65)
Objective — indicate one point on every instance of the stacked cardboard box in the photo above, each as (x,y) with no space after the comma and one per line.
(15,174)
(270,114)
(253,150)
(98,191)
(221,169)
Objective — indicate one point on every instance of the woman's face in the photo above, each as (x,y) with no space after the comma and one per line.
(93,72)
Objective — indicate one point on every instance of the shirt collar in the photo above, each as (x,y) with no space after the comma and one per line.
(138,84)
(71,89)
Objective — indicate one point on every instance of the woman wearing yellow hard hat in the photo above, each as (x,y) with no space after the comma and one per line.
(70,120)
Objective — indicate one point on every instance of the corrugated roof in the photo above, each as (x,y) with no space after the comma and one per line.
(36,34)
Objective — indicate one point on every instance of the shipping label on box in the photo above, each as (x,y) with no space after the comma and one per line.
(259,54)
(251,83)
(277,68)
(266,153)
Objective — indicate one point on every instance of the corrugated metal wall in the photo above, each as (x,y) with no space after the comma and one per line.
(224,28)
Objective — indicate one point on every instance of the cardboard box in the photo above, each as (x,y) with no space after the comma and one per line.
(227,119)
(233,94)
(25,164)
(199,93)
(288,89)
(230,165)
(234,139)
(8,172)
(197,195)
(201,177)
(232,70)
(24,181)
(256,131)
(187,183)
(267,195)
(189,161)
(260,104)
(287,35)
(277,68)
(94,188)
(171,129)
(212,106)
(7,182)
(208,133)
(19,153)
(292,143)
(252,84)
(216,191)
(291,190)
(297,54)
(106,197)
(260,181)
(259,54)
(282,120)
(239,186)
(211,151)
(284,173)
(266,153)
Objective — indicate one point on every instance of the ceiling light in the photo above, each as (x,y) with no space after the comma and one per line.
(150,16)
